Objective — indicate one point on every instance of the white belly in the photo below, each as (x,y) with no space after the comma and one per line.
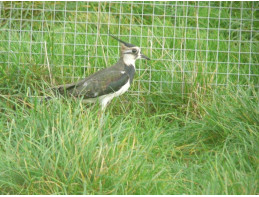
(105,99)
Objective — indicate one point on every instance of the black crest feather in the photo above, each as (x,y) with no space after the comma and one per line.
(125,43)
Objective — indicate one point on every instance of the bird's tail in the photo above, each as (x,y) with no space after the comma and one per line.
(57,91)
(47,98)
(50,93)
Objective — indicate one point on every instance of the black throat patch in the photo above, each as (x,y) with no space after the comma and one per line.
(130,70)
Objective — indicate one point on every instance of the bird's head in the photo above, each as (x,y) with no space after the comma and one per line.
(130,53)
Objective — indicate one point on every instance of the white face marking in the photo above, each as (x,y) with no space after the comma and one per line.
(85,84)
(139,53)
(129,57)
(122,72)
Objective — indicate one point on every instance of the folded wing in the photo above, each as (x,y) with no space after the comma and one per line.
(101,83)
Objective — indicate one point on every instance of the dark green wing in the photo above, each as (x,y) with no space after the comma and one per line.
(103,82)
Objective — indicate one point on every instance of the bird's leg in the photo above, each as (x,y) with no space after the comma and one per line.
(101,116)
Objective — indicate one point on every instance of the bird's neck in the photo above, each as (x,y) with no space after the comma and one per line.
(128,61)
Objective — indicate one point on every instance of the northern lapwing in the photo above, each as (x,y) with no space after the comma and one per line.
(107,83)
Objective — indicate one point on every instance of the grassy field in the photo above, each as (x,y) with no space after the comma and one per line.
(197,135)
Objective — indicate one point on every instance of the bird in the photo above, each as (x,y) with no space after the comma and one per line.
(108,83)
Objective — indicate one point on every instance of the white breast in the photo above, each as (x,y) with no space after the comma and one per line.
(105,99)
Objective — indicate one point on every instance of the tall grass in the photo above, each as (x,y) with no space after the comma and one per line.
(153,140)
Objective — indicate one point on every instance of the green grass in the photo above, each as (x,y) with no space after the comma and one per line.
(159,141)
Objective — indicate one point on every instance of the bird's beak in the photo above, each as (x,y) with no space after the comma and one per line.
(144,57)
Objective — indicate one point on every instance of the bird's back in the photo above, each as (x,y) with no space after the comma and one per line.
(102,82)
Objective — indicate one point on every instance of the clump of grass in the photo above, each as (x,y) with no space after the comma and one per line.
(59,147)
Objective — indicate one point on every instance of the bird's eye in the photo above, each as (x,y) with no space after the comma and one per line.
(134,50)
